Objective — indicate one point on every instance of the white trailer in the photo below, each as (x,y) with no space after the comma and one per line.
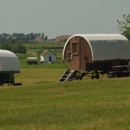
(9,65)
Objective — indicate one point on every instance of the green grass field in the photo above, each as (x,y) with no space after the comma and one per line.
(34,49)
(41,103)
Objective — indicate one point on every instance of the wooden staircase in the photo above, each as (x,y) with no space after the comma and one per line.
(69,75)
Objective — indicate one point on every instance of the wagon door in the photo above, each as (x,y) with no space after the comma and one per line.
(85,55)
(80,53)
(74,53)
(74,56)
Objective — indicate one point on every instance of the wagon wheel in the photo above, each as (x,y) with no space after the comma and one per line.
(78,75)
(108,75)
(95,74)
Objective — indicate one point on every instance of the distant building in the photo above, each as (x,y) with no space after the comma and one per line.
(48,57)
(62,38)
(39,39)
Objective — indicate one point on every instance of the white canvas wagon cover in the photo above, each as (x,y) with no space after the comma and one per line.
(105,46)
(9,61)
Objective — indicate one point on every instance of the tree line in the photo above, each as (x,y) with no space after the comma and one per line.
(22,36)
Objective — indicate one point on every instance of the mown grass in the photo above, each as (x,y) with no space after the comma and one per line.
(38,48)
(43,103)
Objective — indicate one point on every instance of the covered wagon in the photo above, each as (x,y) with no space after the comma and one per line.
(9,65)
(97,53)
(32,60)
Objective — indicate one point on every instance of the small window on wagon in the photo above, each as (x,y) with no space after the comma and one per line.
(75,48)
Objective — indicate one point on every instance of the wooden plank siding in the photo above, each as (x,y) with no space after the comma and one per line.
(81,57)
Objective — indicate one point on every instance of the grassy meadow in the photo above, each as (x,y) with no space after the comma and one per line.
(41,103)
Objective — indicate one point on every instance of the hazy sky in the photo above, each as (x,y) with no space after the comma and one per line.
(61,17)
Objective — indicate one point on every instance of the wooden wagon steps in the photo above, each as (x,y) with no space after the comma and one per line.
(69,75)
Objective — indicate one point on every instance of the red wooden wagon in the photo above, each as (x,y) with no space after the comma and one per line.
(94,54)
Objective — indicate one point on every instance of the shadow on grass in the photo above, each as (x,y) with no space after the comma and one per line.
(44,82)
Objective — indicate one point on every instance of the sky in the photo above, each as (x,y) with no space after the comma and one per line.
(62,17)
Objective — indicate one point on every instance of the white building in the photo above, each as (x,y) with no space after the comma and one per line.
(47,57)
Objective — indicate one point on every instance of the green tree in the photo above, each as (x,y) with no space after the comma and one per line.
(5,46)
(46,38)
(14,46)
(18,48)
(43,35)
(39,52)
(124,26)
